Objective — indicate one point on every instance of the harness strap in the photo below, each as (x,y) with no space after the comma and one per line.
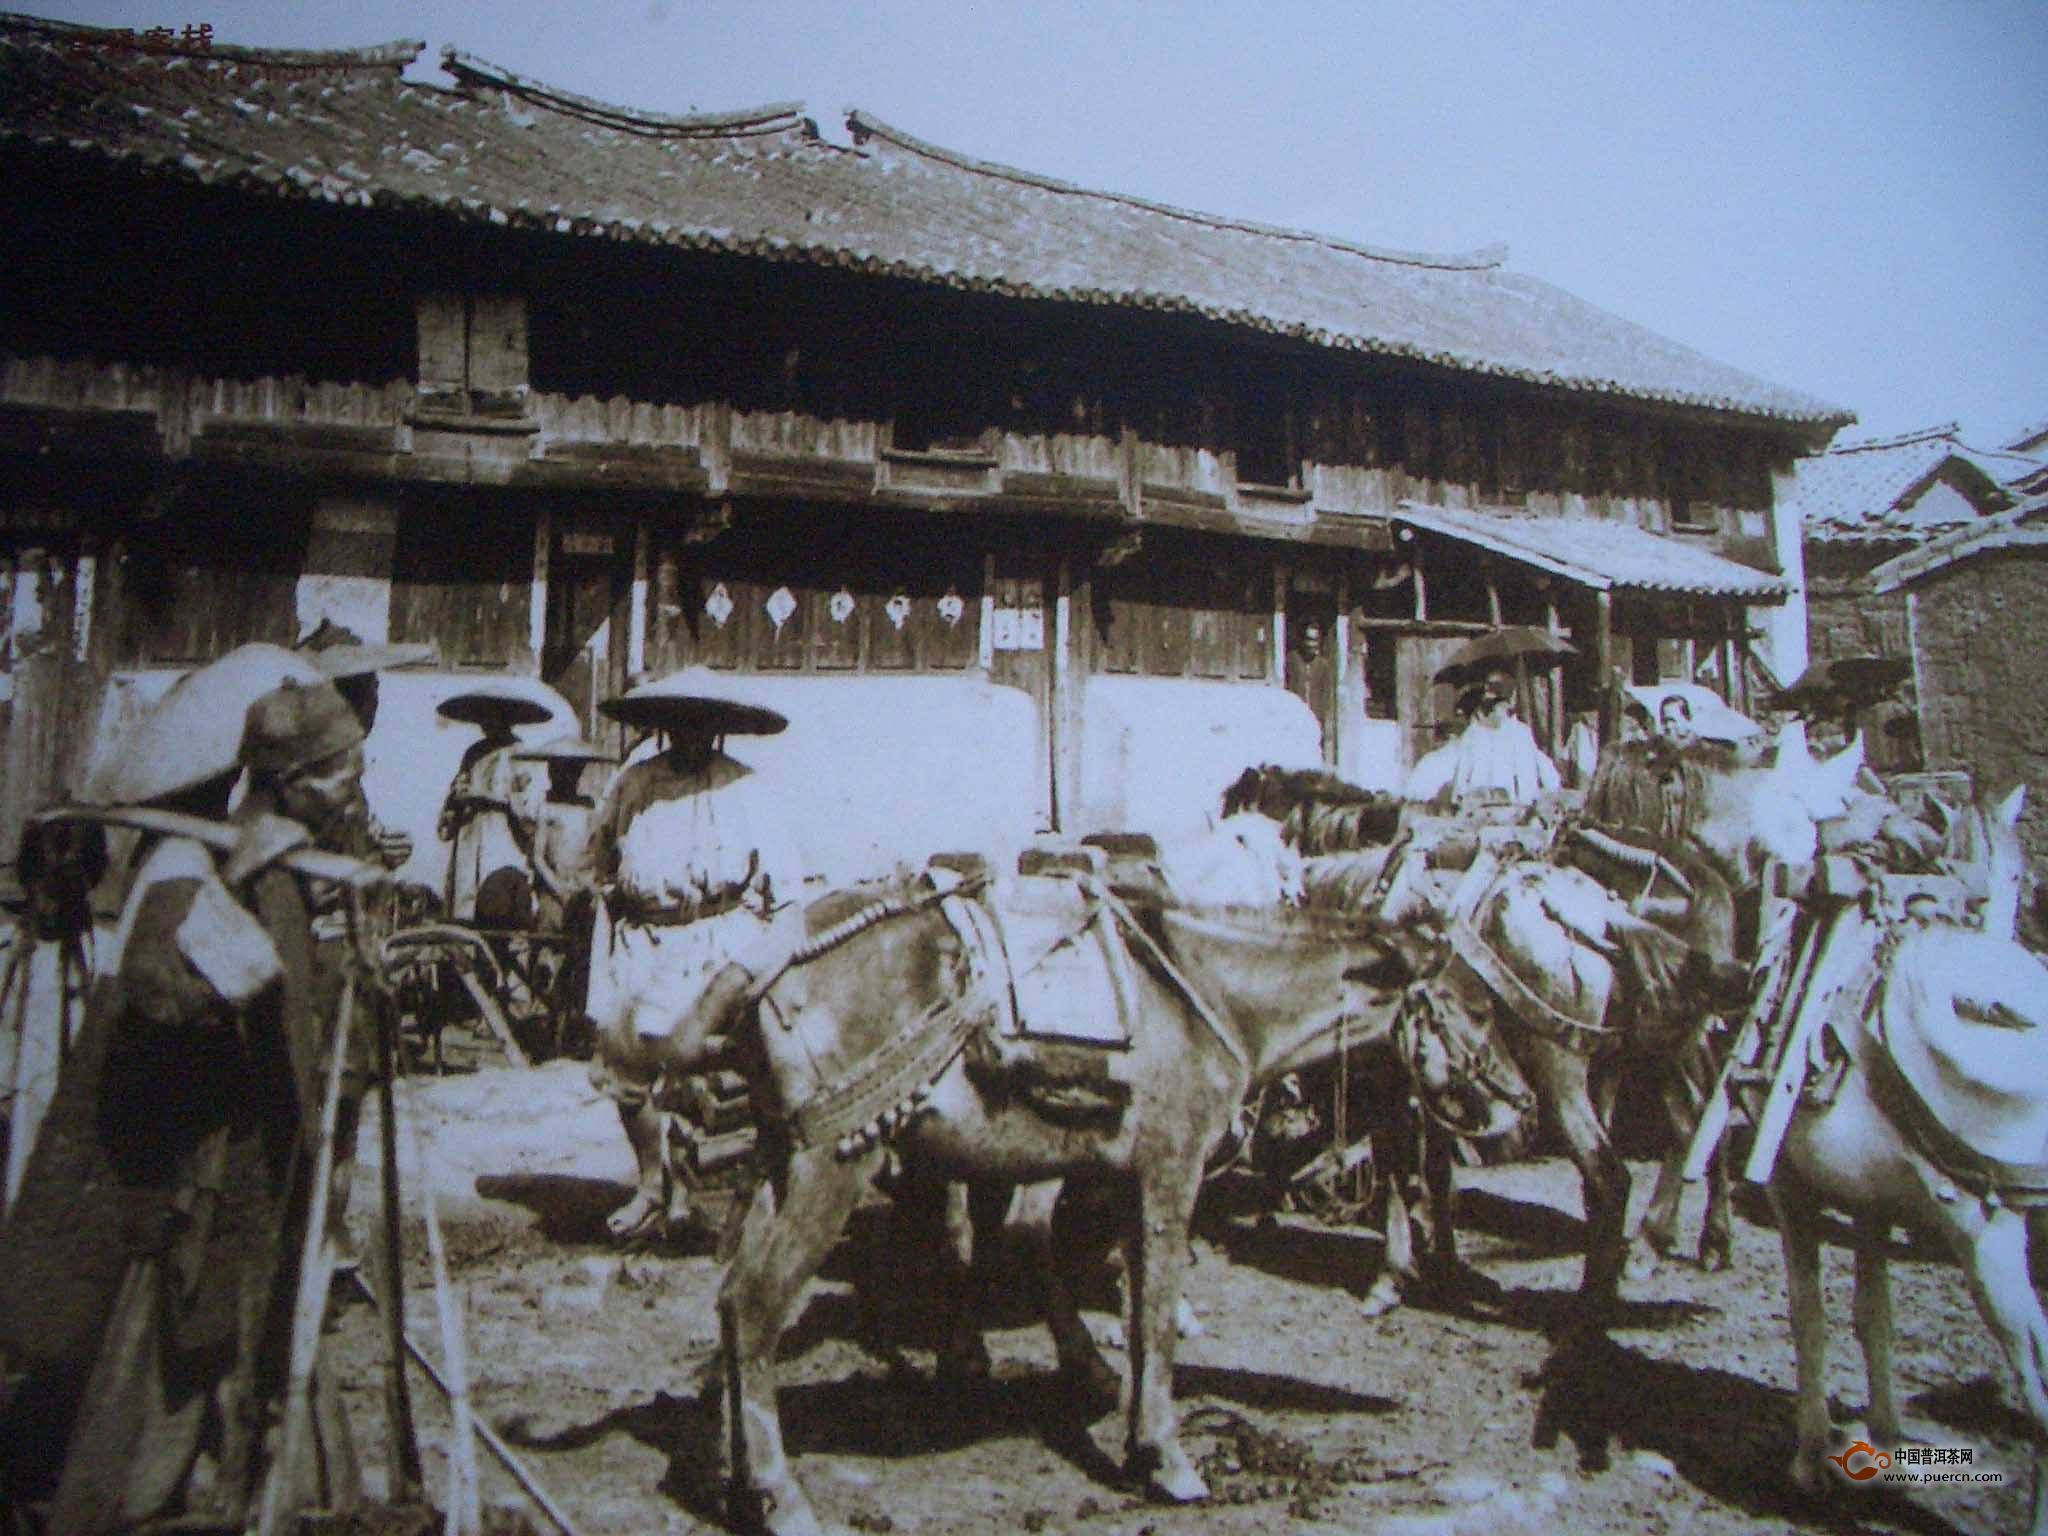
(1645,859)
(1170,972)
(1992,1179)
(1533,1009)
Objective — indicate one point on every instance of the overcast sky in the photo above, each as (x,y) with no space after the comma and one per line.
(1844,196)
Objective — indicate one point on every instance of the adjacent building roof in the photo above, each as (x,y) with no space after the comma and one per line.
(2023,527)
(1598,553)
(498,148)
(1876,488)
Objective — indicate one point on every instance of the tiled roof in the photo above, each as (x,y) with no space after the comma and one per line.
(508,151)
(2022,527)
(1598,553)
(1865,490)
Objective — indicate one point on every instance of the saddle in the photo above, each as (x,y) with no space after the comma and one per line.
(1047,948)
(1961,1058)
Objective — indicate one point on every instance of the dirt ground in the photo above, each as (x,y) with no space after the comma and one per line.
(1306,1416)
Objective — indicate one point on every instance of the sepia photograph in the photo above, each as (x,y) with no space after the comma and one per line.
(1099,768)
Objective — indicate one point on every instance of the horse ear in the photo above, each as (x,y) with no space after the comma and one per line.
(2007,811)
(1793,752)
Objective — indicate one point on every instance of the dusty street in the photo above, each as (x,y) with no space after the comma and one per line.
(1307,1417)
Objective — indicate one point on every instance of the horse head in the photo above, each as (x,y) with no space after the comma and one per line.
(1981,844)
(1446,1034)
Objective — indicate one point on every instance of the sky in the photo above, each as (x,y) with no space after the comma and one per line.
(1843,196)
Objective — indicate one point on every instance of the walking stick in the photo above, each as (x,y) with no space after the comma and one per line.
(464,1517)
(316,1270)
(401,1437)
(493,1441)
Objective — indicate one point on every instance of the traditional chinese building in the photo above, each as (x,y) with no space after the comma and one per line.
(1008,492)
(1866,502)
(1975,600)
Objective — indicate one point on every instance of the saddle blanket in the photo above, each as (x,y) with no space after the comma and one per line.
(1964,1018)
(1052,959)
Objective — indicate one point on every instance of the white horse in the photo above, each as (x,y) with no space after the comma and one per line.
(1944,1103)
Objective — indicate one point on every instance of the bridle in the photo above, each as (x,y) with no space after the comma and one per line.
(1473,1065)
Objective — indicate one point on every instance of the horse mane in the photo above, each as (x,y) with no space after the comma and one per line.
(1319,812)
(1630,795)
(1340,882)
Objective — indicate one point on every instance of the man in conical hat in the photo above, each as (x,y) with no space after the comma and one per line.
(148,1272)
(689,858)
(488,881)
(341,656)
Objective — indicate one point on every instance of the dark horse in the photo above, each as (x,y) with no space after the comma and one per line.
(877,1003)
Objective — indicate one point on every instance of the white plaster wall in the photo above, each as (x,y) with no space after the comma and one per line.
(882,770)
(1784,624)
(1158,752)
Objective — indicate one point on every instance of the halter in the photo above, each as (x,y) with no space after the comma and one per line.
(1473,1066)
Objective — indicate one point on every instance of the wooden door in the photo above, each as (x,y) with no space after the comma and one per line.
(1420,704)
(590,573)
(1022,586)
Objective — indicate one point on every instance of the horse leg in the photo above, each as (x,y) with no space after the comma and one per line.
(1050,1220)
(1166,1204)
(1873,1323)
(1717,1229)
(1799,1235)
(781,1246)
(1994,1259)
(1606,1181)
(975,1213)
(1398,1271)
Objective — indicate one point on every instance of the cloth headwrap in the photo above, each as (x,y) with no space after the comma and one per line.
(296,725)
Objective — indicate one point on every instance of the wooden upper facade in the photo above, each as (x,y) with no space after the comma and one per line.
(240,386)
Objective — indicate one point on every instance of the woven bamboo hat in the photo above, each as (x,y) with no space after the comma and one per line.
(340,652)
(488,706)
(695,699)
(194,732)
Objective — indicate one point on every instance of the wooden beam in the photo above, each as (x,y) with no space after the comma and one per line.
(636,623)
(1341,726)
(1279,674)
(1556,675)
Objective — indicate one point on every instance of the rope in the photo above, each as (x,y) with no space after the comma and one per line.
(1645,859)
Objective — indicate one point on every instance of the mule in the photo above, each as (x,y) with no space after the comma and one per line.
(1956,1004)
(870,994)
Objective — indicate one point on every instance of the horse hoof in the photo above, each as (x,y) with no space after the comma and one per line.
(1643,1259)
(1384,1297)
(637,1218)
(1806,1473)
(1716,1257)
(1174,1479)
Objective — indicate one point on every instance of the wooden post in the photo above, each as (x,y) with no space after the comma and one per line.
(537,608)
(1603,660)
(1421,585)
(636,623)
(1062,685)
(1556,675)
(1341,726)
(1279,623)
(988,612)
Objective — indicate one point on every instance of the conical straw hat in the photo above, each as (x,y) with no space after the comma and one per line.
(488,706)
(194,732)
(695,698)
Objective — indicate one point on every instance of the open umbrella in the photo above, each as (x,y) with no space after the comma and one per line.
(1711,718)
(1502,648)
(1850,681)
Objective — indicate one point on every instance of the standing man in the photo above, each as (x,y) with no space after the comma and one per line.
(690,861)
(488,881)
(148,1274)
(341,656)
(1494,758)
(1312,678)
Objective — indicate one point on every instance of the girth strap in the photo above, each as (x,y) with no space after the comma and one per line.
(1990,1178)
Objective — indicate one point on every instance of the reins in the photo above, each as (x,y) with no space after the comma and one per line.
(880,910)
